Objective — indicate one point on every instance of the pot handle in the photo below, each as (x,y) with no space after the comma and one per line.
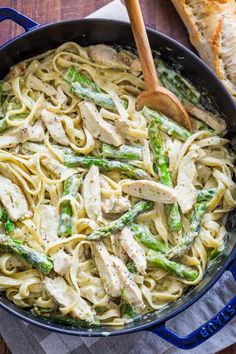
(208,329)
(22,20)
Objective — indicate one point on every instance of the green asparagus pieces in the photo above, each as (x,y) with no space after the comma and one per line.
(8,225)
(132,267)
(174,82)
(64,320)
(126,152)
(216,252)
(37,260)
(148,239)
(74,75)
(105,165)
(166,125)
(183,89)
(188,239)
(71,188)
(120,223)
(86,89)
(156,254)
(160,164)
(205,195)
(128,310)
(159,260)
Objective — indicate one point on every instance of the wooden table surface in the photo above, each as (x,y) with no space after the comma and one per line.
(158,14)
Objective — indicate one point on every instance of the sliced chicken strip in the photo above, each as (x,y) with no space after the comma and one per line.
(66,296)
(186,192)
(150,190)
(49,224)
(13,200)
(115,205)
(216,123)
(97,126)
(106,55)
(22,134)
(56,167)
(61,262)
(133,249)
(106,269)
(32,133)
(38,85)
(92,194)
(133,293)
(55,128)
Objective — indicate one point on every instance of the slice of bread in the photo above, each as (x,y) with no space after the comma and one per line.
(212,28)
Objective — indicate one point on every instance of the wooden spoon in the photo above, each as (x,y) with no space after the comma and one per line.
(155,95)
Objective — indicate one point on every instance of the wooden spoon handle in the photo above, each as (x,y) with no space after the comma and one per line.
(142,43)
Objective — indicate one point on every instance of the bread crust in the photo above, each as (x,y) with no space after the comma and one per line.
(212,28)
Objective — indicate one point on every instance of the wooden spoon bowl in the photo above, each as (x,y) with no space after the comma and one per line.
(155,96)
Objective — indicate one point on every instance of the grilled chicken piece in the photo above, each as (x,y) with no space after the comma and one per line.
(92,194)
(133,249)
(115,205)
(13,200)
(65,296)
(186,192)
(56,167)
(133,293)
(15,136)
(216,123)
(49,224)
(106,55)
(97,126)
(38,85)
(55,128)
(150,190)
(107,271)
(61,262)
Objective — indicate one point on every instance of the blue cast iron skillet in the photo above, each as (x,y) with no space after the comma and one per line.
(38,39)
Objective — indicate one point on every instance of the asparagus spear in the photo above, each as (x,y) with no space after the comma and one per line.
(3,125)
(61,319)
(215,253)
(188,239)
(160,164)
(148,239)
(105,165)
(9,225)
(174,82)
(74,75)
(125,152)
(120,223)
(132,267)
(100,310)
(184,90)
(166,125)
(128,310)
(37,260)
(157,259)
(71,187)
(88,90)
(205,195)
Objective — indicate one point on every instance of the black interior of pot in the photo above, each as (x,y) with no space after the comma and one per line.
(87,32)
